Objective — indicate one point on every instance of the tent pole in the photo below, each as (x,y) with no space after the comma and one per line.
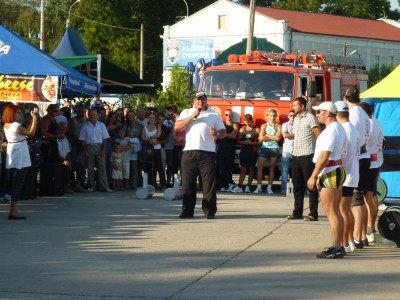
(141,49)
(42,24)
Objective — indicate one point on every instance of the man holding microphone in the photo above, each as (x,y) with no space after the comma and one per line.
(203,127)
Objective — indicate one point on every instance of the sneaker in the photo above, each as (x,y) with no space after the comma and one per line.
(331,252)
(258,190)
(269,191)
(223,189)
(237,189)
(352,247)
(90,189)
(348,249)
(230,187)
(365,242)
(358,245)
(6,197)
(247,189)
(371,238)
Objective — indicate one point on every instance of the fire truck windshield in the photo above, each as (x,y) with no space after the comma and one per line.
(248,84)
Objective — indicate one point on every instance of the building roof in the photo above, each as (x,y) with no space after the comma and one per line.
(316,23)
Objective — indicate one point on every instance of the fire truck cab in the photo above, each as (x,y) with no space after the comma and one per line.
(264,80)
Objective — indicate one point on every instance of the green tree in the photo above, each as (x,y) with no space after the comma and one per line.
(377,73)
(367,9)
(311,5)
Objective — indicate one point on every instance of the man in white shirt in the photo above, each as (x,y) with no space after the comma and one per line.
(374,147)
(350,162)
(360,120)
(329,174)
(93,137)
(203,126)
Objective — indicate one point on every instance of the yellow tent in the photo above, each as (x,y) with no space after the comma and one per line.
(388,87)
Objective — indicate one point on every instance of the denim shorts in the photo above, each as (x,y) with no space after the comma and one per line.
(269,152)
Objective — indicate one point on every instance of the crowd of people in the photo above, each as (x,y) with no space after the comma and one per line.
(108,151)
(99,148)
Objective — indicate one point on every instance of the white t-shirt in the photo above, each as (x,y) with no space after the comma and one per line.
(17,148)
(63,147)
(359,118)
(333,139)
(375,142)
(287,147)
(351,159)
(198,135)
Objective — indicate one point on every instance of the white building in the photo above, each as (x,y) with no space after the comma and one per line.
(210,31)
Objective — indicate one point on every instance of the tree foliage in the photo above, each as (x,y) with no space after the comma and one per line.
(311,5)
(377,73)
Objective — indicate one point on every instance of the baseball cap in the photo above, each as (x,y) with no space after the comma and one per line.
(201,95)
(327,105)
(341,106)
(351,92)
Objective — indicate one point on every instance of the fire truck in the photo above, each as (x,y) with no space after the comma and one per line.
(253,84)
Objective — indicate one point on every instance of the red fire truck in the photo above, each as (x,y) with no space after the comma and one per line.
(253,84)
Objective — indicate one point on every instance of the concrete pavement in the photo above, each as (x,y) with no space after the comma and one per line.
(114,246)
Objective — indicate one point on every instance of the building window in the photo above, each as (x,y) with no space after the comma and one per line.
(222,22)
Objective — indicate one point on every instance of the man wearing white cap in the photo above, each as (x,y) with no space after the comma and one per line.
(203,126)
(350,162)
(329,174)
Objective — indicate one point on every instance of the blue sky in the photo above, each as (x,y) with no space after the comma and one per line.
(395,4)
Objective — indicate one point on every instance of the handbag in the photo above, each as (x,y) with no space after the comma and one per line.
(147,152)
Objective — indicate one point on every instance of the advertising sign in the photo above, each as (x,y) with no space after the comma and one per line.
(22,88)
(180,52)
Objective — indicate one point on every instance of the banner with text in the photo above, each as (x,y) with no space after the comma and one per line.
(23,88)
(180,52)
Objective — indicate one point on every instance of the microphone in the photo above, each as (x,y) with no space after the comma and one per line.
(195,118)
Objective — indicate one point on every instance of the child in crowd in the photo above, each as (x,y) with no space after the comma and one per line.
(116,160)
(134,146)
(123,141)
(64,155)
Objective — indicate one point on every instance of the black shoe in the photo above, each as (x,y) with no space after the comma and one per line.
(365,242)
(358,245)
(331,252)
(185,216)
(210,217)
(12,217)
(292,217)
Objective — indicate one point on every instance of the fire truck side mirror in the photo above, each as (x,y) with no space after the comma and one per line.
(312,89)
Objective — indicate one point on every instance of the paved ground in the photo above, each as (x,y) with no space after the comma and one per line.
(113,246)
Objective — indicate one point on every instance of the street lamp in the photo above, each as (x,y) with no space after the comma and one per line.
(187,9)
(69,12)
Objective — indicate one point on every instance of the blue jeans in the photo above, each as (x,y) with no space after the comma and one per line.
(285,163)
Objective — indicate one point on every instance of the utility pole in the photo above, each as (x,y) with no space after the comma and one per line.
(42,24)
(250,31)
(141,49)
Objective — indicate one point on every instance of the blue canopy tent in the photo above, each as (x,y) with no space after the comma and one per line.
(386,97)
(72,51)
(18,57)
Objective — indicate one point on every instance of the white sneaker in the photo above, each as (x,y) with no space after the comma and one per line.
(223,189)
(352,246)
(258,190)
(247,189)
(90,189)
(371,238)
(231,187)
(269,191)
(237,189)
(348,249)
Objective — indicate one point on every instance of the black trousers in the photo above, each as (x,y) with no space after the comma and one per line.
(17,178)
(225,161)
(195,163)
(302,168)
